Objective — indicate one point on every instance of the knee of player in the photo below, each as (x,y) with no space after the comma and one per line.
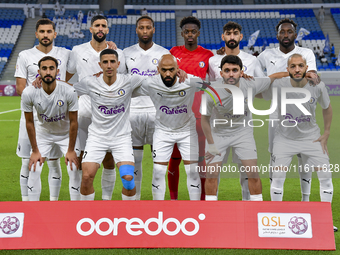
(127,176)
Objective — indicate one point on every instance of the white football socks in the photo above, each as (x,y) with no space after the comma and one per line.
(276,187)
(24,173)
(305,180)
(193,181)
(108,183)
(34,182)
(124,197)
(158,181)
(54,178)
(74,182)
(244,184)
(326,186)
(138,154)
(89,197)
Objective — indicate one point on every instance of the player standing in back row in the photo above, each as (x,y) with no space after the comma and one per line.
(142,59)
(192,59)
(84,61)
(26,72)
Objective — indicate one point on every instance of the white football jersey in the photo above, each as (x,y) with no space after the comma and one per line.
(173,105)
(225,111)
(306,127)
(275,60)
(27,63)
(110,105)
(84,61)
(250,64)
(53,110)
(143,62)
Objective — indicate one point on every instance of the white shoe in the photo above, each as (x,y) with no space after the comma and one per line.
(335,229)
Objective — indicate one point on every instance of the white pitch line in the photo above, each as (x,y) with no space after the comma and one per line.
(10,111)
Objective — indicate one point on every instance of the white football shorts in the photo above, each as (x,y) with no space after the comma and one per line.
(243,146)
(96,149)
(284,149)
(143,127)
(163,145)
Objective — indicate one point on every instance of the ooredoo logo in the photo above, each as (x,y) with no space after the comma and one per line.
(135,226)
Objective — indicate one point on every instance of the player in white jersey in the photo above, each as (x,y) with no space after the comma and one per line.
(56,105)
(298,131)
(175,123)
(275,60)
(84,61)
(142,59)
(224,134)
(26,72)
(232,36)
(110,129)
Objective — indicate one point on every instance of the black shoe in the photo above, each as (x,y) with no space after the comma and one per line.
(335,229)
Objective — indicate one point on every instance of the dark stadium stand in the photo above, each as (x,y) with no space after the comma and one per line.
(10,26)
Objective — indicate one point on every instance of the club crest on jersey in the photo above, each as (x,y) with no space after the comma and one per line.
(246,100)
(201,64)
(312,100)
(59,61)
(182,93)
(60,103)
(155,61)
(244,68)
(121,92)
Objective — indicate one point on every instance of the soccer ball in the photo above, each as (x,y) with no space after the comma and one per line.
(298,225)
(9,225)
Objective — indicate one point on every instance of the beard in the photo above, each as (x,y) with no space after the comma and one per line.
(50,81)
(232,46)
(287,45)
(298,79)
(99,39)
(145,41)
(45,44)
(168,83)
(231,81)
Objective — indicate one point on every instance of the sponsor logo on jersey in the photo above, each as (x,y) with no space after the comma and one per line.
(201,64)
(182,93)
(60,103)
(121,92)
(143,73)
(312,100)
(155,61)
(134,229)
(231,116)
(302,118)
(175,110)
(115,110)
(54,118)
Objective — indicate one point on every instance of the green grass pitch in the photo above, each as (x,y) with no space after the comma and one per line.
(229,187)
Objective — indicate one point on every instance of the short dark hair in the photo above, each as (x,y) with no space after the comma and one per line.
(44,22)
(145,17)
(190,20)
(231,25)
(48,58)
(97,17)
(285,20)
(231,59)
(108,51)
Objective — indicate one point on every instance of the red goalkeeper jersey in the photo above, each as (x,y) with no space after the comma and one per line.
(193,62)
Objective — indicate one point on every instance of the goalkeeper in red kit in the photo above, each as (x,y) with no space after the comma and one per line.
(193,59)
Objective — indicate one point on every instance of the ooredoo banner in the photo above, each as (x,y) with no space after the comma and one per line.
(167,224)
